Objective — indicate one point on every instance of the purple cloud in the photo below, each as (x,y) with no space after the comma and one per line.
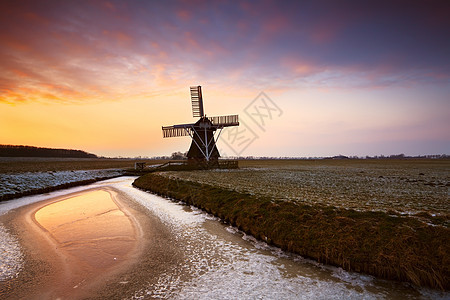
(86,51)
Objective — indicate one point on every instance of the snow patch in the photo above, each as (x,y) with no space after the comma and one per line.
(218,267)
(24,182)
(11,256)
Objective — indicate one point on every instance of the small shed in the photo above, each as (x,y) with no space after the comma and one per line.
(139,166)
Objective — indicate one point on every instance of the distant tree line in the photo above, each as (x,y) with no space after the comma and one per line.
(394,156)
(397,156)
(30,151)
(179,156)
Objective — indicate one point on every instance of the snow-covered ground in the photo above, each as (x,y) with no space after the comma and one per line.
(366,188)
(11,257)
(223,263)
(23,182)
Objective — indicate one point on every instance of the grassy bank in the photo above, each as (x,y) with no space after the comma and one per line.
(387,246)
(409,186)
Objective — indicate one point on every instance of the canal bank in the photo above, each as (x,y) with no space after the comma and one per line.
(192,255)
(388,246)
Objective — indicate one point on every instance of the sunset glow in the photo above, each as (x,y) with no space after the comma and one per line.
(348,77)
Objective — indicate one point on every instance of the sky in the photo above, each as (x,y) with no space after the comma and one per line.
(307,78)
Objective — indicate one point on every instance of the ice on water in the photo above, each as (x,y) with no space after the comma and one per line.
(228,264)
(11,256)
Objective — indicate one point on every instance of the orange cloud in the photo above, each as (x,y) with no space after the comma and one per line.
(121,37)
(109,6)
(20,73)
(14,43)
(35,18)
(184,15)
(299,67)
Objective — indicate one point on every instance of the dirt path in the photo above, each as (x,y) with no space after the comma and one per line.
(76,250)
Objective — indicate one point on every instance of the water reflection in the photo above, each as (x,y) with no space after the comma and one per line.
(217,261)
(90,227)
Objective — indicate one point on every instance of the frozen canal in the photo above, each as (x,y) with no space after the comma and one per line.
(223,263)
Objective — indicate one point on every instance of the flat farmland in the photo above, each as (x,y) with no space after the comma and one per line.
(406,186)
(10,165)
(26,176)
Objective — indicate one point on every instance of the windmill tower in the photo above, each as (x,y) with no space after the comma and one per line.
(204,133)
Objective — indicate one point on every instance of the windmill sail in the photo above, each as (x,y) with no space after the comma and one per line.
(197,101)
(177,130)
(225,121)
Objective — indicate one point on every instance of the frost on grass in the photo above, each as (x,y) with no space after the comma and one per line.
(23,182)
(217,268)
(223,263)
(11,256)
(404,188)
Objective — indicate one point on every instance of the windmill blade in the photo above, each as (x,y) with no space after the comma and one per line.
(225,121)
(197,101)
(177,130)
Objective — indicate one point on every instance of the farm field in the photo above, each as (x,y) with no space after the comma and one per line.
(25,176)
(407,186)
(34,164)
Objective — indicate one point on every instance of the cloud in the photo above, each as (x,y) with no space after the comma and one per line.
(184,15)
(94,51)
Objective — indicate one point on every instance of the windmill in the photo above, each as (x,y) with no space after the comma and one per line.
(203,150)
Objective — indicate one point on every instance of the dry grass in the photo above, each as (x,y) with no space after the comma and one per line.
(391,247)
(22,165)
(411,186)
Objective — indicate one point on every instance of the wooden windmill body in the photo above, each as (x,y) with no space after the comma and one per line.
(204,133)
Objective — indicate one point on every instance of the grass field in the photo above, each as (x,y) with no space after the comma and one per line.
(305,206)
(389,218)
(410,186)
(387,245)
(406,186)
(33,164)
